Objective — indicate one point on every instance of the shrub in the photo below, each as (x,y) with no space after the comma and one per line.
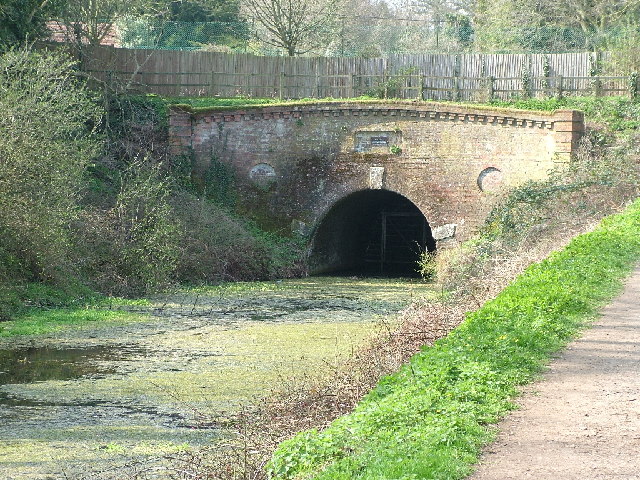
(133,248)
(219,246)
(47,138)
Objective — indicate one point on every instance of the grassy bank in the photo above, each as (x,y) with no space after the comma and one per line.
(43,322)
(42,309)
(430,419)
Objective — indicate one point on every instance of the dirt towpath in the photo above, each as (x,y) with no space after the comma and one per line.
(582,420)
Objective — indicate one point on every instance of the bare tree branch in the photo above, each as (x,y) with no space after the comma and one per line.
(294,25)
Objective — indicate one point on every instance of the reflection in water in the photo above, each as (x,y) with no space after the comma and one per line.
(97,398)
(28,365)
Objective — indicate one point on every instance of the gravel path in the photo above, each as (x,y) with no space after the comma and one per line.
(582,420)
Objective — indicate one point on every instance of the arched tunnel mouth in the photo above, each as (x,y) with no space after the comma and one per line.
(371,232)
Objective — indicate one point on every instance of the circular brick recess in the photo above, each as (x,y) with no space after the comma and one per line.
(490,180)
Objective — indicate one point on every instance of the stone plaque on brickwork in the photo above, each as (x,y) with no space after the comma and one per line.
(376,142)
(380,141)
(263,175)
(443,232)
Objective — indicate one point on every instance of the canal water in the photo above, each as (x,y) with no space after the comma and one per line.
(108,400)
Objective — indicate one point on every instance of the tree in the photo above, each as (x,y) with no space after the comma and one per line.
(438,25)
(546,25)
(46,142)
(297,26)
(25,20)
(204,11)
(91,21)
(497,23)
(358,34)
(201,24)
(593,16)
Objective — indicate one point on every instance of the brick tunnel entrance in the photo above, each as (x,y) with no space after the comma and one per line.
(373,232)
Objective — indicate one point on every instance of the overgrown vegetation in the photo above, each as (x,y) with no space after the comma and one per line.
(92,202)
(48,135)
(429,418)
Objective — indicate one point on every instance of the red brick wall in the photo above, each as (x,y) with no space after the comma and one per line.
(434,155)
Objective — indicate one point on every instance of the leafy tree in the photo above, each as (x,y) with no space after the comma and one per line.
(366,28)
(459,28)
(437,25)
(91,21)
(192,24)
(546,25)
(25,20)
(204,11)
(592,16)
(46,141)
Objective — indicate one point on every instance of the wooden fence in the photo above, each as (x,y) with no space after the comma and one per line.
(428,76)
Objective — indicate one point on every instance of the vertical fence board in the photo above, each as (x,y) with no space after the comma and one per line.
(439,76)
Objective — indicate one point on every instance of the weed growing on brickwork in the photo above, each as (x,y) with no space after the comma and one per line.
(395,149)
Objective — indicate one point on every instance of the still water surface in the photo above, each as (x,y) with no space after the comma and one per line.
(104,401)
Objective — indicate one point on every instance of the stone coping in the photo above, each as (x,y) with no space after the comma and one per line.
(432,111)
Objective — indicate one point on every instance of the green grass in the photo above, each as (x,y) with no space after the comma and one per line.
(41,309)
(430,419)
(42,322)
(618,113)
(214,102)
(204,104)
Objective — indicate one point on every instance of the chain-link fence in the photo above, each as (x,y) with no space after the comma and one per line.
(162,35)
(369,37)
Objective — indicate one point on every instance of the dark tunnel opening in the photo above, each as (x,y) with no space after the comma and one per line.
(371,232)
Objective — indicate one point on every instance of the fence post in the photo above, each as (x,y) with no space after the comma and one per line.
(525,79)
(212,84)
(423,80)
(633,86)
(559,86)
(456,74)
(281,85)
(546,71)
(385,84)
(597,86)
(490,88)
(317,84)
(456,88)
(353,86)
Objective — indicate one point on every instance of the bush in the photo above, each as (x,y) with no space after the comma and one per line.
(47,138)
(133,247)
(218,246)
